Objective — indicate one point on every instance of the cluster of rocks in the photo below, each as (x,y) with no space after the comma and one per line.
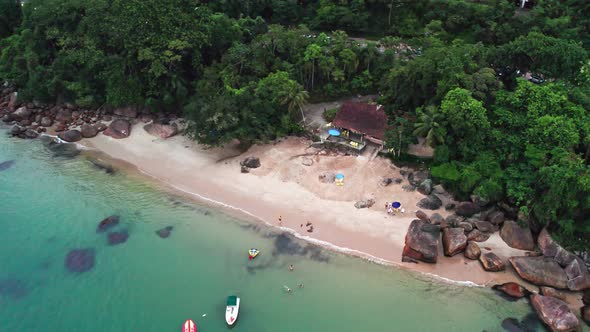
(73,123)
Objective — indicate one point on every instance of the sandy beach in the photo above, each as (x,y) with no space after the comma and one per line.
(284,187)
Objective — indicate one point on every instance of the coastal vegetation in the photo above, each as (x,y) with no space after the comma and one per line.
(501,93)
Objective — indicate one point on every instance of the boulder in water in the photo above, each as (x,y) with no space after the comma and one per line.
(13,288)
(107,223)
(541,271)
(491,262)
(512,290)
(555,313)
(115,238)
(164,232)
(80,260)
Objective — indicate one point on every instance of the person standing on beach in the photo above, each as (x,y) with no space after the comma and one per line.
(280,220)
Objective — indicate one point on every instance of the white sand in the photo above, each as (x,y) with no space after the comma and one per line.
(282,186)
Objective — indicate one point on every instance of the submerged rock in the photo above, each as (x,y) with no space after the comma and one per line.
(80,260)
(421,242)
(107,223)
(541,271)
(115,238)
(164,232)
(512,290)
(13,288)
(102,165)
(6,165)
(555,313)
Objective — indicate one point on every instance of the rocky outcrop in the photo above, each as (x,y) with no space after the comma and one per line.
(578,277)
(421,242)
(454,241)
(472,251)
(252,162)
(516,236)
(550,248)
(88,131)
(80,260)
(512,290)
(70,136)
(491,262)
(161,130)
(550,291)
(555,313)
(107,223)
(430,202)
(541,271)
(118,129)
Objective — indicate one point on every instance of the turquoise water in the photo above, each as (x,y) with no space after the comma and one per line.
(51,205)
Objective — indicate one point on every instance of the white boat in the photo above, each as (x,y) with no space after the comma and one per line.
(232,309)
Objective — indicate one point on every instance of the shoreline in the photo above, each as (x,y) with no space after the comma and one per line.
(352,238)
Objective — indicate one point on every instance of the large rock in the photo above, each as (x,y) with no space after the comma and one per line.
(416,178)
(478,236)
(577,275)
(555,313)
(366,203)
(63,115)
(128,112)
(454,241)
(421,242)
(425,188)
(88,131)
(422,216)
(491,262)
(80,260)
(467,209)
(22,113)
(550,248)
(251,162)
(161,130)
(118,129)
(512,290)
(436,218)
(541,271)
(485,226)
(472,251)
(516,236)
(70,136)
(430,202)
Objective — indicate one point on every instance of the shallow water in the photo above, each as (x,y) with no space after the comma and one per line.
(49,206)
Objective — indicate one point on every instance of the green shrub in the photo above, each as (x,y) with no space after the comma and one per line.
(490,189)
(330,114)
(446,173)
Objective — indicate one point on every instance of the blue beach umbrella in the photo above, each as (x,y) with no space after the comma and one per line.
(340,176)
(396,205)
(334,132)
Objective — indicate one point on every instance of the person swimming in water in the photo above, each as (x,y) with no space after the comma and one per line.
(291,268)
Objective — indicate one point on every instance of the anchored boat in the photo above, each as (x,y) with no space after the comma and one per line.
(189,326)
(232,309)
(252,253)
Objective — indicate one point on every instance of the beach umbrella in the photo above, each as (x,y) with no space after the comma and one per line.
(396,205)
(334,132)
(340,176)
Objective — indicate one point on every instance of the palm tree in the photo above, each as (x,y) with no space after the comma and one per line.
(296,99)
(428,125)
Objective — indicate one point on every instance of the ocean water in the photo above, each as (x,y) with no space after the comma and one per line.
(50,205)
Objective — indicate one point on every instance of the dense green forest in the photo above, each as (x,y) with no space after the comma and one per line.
(448,70)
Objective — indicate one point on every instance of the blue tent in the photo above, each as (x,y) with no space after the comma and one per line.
(396,205)
(339,176)
(334,132)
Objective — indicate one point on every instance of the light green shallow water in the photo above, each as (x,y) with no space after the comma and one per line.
(49,206)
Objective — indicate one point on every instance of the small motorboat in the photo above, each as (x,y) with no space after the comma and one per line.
(232,309)
(189,326)
(252,253)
